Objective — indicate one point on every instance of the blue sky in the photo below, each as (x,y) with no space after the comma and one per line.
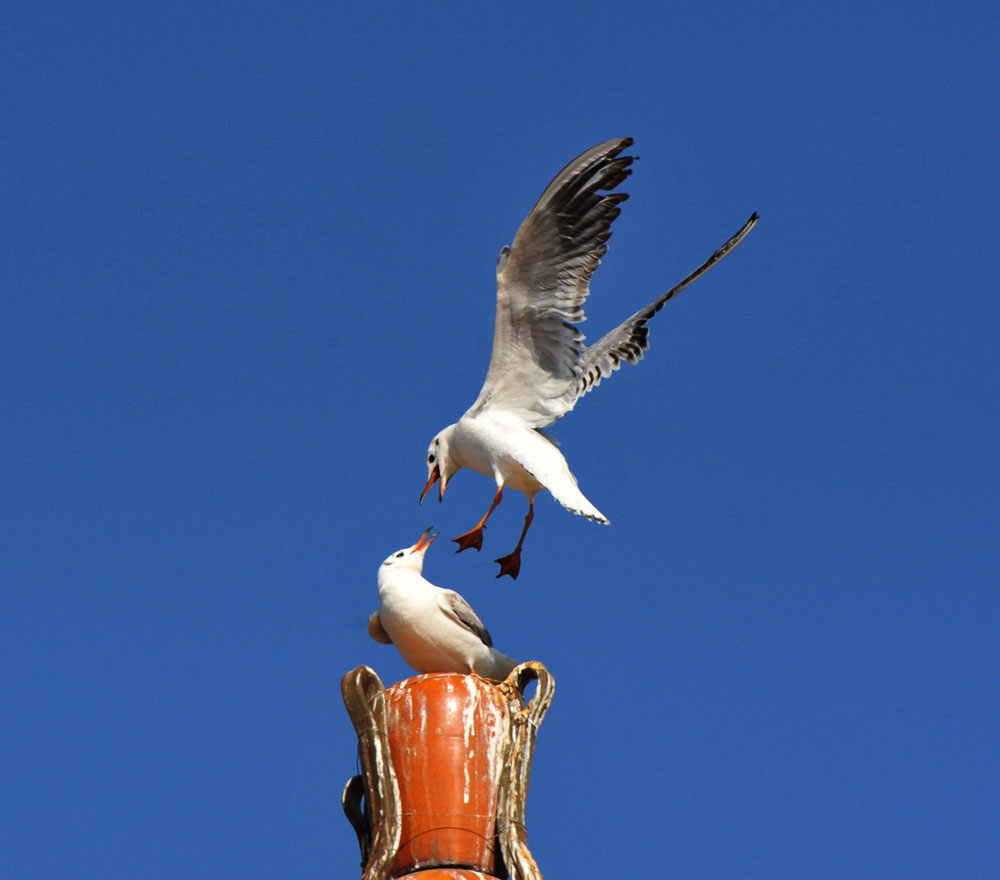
(248,273)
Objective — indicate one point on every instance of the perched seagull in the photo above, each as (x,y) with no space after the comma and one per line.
(434,629)
(540,367)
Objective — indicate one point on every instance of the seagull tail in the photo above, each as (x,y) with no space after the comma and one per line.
(576,502)
(502,666)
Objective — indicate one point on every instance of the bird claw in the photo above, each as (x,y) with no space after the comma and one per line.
(473,538)
(510,564)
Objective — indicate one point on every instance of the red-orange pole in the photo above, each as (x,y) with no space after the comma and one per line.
(447,735)
(447,759)
(448,874)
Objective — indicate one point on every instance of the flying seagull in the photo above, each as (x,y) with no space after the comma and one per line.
(540,366)
(434,629)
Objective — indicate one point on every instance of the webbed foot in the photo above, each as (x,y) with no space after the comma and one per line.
(472,538)
(510,564)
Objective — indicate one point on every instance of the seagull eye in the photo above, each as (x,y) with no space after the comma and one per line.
(400,553)
(430,458)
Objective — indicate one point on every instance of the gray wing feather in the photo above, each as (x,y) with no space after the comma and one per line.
(461,612)
(630,339)
(543,280)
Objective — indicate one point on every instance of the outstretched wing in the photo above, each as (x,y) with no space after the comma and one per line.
(543,280)
(460,611)
(376,631)
(630,339)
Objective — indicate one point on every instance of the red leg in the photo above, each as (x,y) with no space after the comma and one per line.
(474,537)
(511,563)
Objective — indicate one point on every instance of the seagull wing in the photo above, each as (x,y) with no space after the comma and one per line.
(376,631)
(630,339)
(458,610)
(543,280)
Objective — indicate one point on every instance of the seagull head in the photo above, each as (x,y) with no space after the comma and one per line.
(440,465)
(411,557)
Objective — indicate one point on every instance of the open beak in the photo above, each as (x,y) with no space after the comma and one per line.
(424,541)
(434,477)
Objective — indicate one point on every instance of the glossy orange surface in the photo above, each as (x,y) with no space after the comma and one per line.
(447,734)
(447,874)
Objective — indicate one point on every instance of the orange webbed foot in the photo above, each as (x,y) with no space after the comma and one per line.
(510,564)
(472,538)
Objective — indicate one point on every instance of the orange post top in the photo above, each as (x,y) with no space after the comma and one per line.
(447,736)
(447,874)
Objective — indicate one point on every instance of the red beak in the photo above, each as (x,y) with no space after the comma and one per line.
(424,541)
(434,477)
